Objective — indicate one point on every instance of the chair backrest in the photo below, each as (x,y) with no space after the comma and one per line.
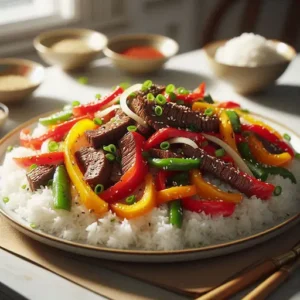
(249,18)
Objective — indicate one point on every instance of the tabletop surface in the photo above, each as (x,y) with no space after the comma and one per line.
(280,102)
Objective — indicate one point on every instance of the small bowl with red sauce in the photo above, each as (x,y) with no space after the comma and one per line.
(140,53)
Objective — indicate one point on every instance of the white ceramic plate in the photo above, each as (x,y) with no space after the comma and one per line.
(137,255)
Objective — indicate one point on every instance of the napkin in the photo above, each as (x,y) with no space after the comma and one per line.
(187,278)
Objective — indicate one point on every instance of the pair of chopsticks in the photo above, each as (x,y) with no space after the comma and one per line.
(281,267)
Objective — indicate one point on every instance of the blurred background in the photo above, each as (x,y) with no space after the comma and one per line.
(192,23)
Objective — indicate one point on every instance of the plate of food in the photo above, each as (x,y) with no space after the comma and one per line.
(151,173)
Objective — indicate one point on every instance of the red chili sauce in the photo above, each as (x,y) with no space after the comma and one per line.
(143,52)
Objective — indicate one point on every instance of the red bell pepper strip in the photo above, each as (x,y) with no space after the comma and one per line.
(167,133)
(56,133)
(161,178)
(92,107)
(271,137)
(52,158)
(132,178)
(209,207)
(229,104)
(201,89)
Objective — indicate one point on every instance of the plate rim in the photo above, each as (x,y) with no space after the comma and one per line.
(294,219)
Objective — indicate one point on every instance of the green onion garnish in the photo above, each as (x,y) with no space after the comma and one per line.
(170,88)
(110,148)
(182,91)
(208,99)
(133,95)
(209,111)
(98,96)
(297,155)
(180,102)
(5,199)
(23,187)
(220,152)
(83,80)
(110,156)
(287,137)
(53,146)
(146,85)
(278,190)
(164,145)
(150,97)
(158,110)
(32,225)
(75,103)
(130,200)
(32,167)
(172,96)
(9,148)
(131,128)
(160,99)
(97,121)
(99,188)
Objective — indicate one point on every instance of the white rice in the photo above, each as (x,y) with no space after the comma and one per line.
(249,50)
(152,231)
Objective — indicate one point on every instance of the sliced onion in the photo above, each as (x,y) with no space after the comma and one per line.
(183,140)
(106,111)
(237,159)
(126,109)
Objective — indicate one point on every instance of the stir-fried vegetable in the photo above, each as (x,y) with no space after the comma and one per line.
(175,164)
(226,131)
(234,120)
(53,158)
(56,118)
(176,192)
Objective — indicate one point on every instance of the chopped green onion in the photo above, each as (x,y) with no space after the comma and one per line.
(75,103)
(32,167)
(50,182)
(146,85)
(182,91)
(150,97)
(132,95)
(23,187)
(297,155)
(9,148)
(33,225)
(130,200)
(97,121)
(98,96)
(158,110)
(99,188)
(124,85)
(287,137)
(53,146)
(110,148)
(209,111)
(180,102)
(220,152)
(208,99)
(160,99)
(278,190)
(131,128)
(5,199)
(83,80)
(172,96)
(245,111)
(170,88)
(164,145)
(110,156)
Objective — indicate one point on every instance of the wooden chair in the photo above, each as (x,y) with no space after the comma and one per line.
(249,19)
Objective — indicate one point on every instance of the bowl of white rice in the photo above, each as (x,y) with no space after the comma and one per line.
(249,63)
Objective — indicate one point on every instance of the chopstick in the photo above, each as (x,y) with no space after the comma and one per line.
(237,284)
(273,282)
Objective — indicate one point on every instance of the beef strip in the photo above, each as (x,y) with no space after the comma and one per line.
(127,148)
(154,89)
(116,173)
(96,166)
(272,148)
(159,153)
(174,115)
(110,132)
(40,176)
(220,169)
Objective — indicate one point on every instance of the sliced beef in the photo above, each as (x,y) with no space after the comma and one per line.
(220,169)
(174,115)
(159,153)
(272,148)
(145,131)
(110,132)
(154,89)
(116,173)
(40,176)
(96,166)
(127,149)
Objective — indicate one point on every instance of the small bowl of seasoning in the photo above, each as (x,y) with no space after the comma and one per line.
(3,114)
(19,78)
(69,48)
(140,53)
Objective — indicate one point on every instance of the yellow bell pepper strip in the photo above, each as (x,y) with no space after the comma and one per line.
(87,195)
(263,156)
(176,192)
(202,106)
(141,207)
(208,191)
(226,131)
